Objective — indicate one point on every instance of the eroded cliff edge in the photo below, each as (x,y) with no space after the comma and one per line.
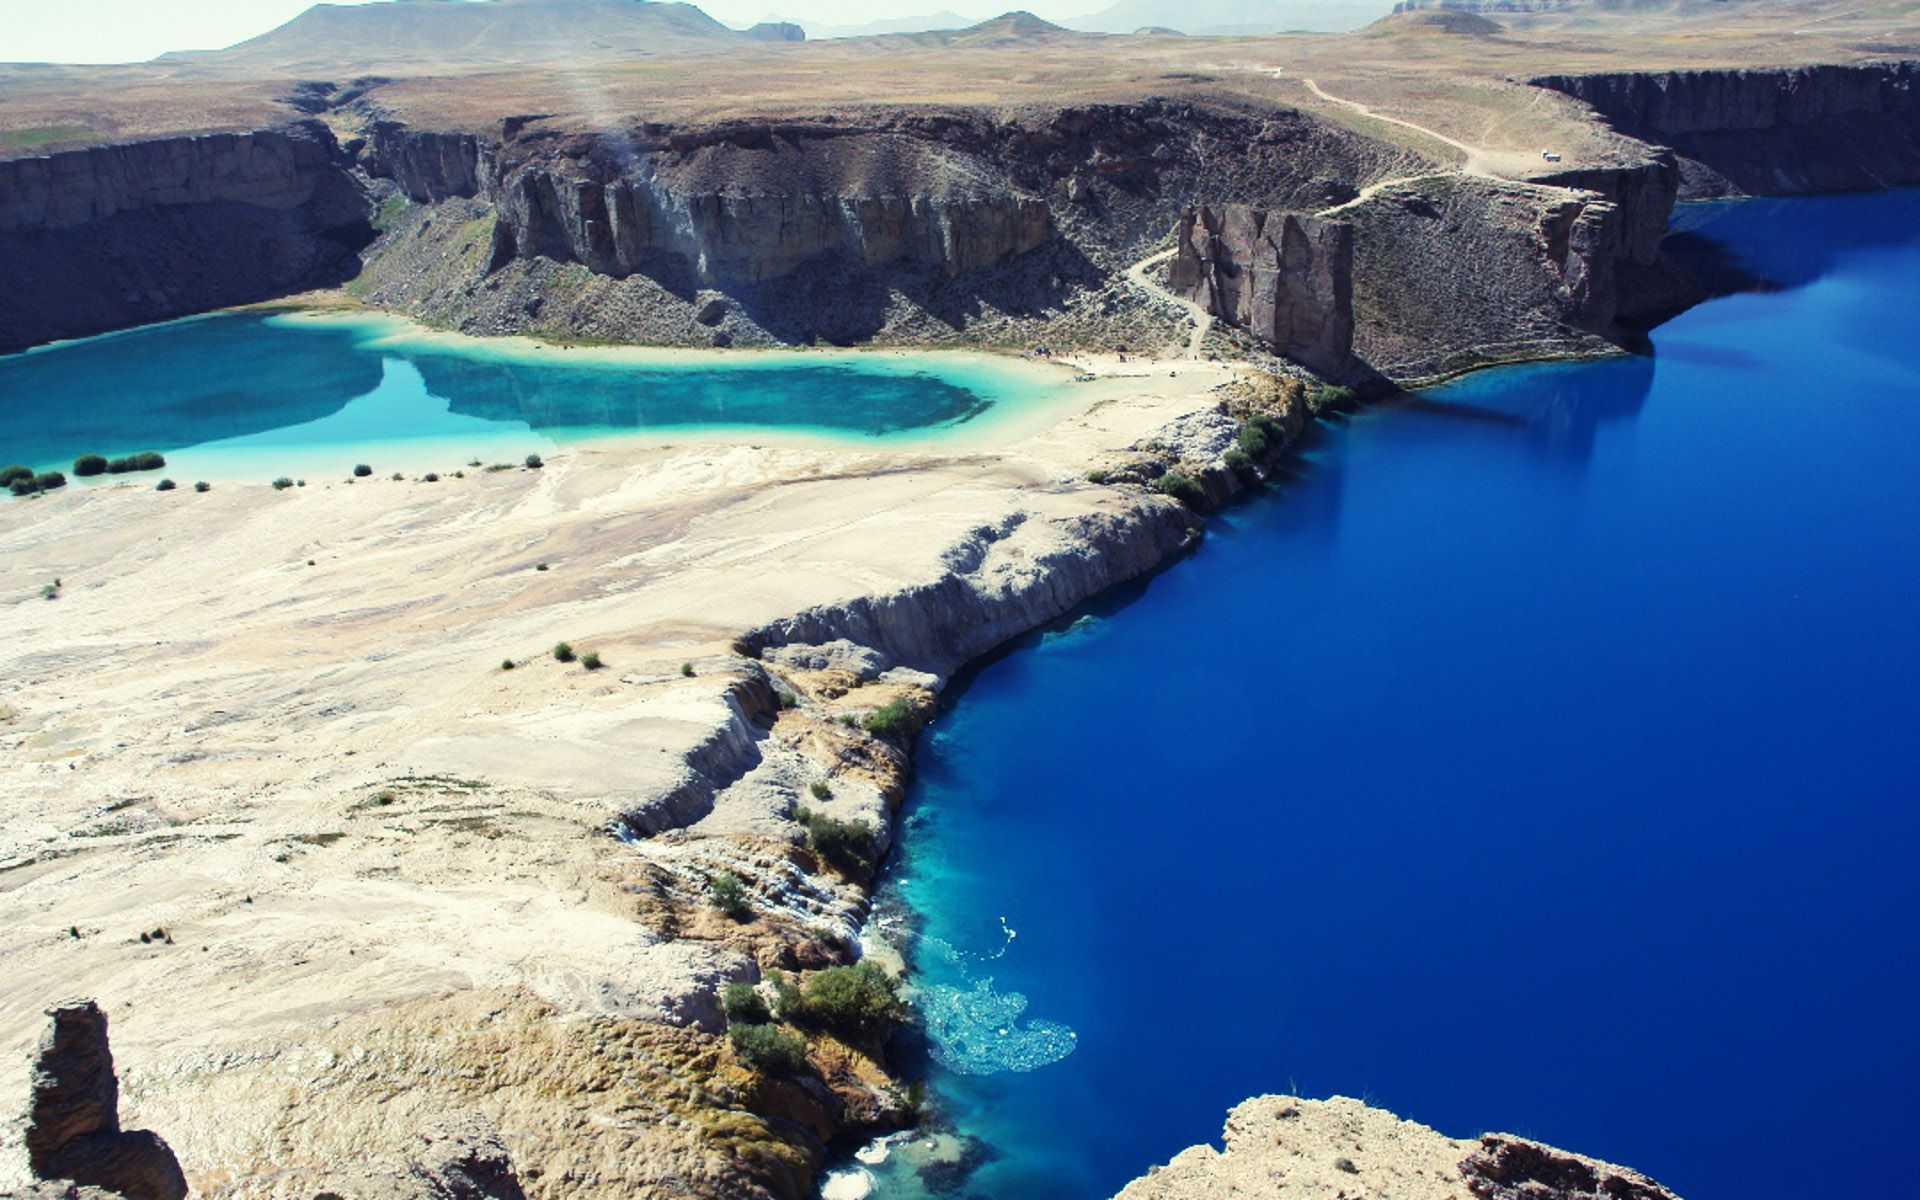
(1763,132)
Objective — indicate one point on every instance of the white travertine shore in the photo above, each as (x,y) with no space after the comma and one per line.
(270,731)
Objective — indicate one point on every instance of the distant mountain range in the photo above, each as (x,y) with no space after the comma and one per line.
(1198,17)
(1212,17)
(428,35)
(401,34)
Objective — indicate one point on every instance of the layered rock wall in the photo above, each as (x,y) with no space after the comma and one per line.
(1769,131)
(1285,277)
(726,211)
(110,236)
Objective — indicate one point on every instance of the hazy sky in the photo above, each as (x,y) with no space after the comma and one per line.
(133,30)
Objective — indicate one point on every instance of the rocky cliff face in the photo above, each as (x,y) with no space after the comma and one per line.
(1343,1148)
(1285,277)
(1460,272)
(152,230)
(1769,132)
(739,206)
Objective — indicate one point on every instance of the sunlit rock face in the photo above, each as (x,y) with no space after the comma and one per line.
(1285,277)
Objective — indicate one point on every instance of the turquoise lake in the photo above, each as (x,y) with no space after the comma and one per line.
(255,396)
(1541,754)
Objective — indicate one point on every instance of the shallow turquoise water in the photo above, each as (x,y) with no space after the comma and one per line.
(250,395)
(1540,755)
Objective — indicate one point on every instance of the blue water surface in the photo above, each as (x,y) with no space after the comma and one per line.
(1541,755)
(244,393)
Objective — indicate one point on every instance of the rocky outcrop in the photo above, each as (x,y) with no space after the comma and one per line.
(1769,131)
(1000,582)
(455,1158)
(1324,1149)
(1285,277)
(152,230)
(73,1122)
(1458,273)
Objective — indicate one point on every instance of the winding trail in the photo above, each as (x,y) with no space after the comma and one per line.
(1202,319)
(1475,164)
(1476,157)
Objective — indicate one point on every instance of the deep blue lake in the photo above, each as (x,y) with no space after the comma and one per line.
(1541,755)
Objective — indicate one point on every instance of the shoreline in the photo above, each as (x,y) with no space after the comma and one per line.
(350,732)
(1019,548)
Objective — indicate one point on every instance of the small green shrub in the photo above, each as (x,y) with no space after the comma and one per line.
(563,652)
(88,465)
(1329,399)
(861,999)
(768,1048)
(1238,461)
(9,474)
(539,566)
(397,477)
(894,719)
(533,462)
(1098,476)
(49,480)
(165,485)
(506,664)
(846,845)
(282,484)
(730,895)
(787,1001)
(819,790)
(362,470)
(686,669)
(147,460)
(1253,440)
(431,477)
(1182,487)
(473,462)
(744,1005)
(23,487)
(591,660)
(202,486)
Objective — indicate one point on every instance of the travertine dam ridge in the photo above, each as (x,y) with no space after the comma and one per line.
(917,226)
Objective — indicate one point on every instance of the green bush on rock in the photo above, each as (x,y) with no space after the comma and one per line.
(847,845)
(730,896)
(743,1005)
(768,1048)
(1182,487)
(1329,399)
(894,719)
(860,1000)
